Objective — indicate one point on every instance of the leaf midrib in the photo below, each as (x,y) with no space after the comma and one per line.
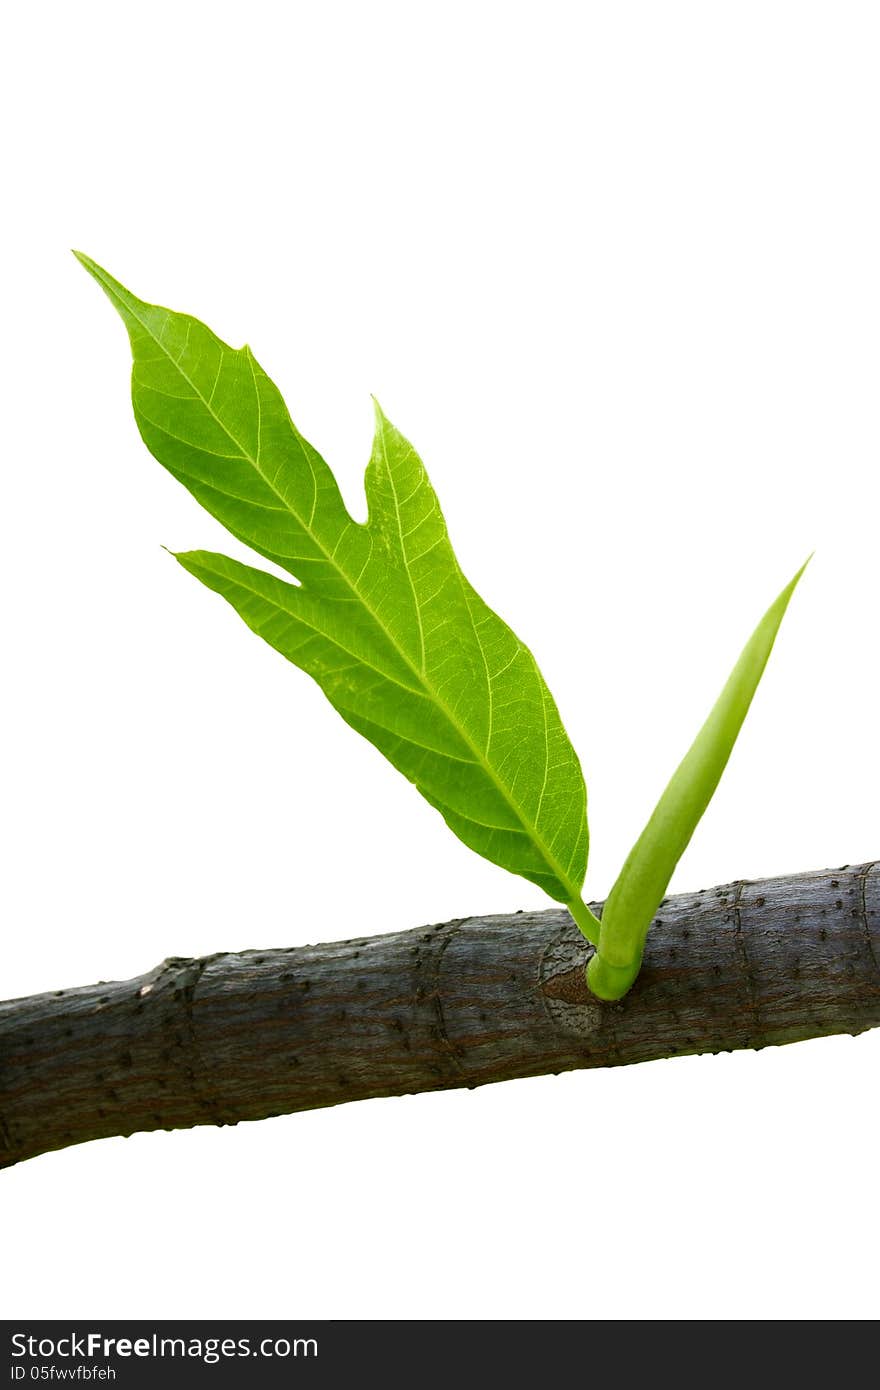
(478,756)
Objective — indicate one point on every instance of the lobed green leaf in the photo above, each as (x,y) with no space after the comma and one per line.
(379,614)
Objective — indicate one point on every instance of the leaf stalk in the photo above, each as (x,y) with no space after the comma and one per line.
(586,921)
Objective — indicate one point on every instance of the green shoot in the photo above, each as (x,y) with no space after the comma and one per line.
(642,882)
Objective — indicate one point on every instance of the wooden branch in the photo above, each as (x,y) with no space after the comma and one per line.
(263,1033)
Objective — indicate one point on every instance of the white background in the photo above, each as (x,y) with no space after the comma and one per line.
(614,269)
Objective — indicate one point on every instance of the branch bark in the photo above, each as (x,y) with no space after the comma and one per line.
(264,1033)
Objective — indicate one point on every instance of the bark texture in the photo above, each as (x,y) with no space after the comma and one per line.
(262,1033)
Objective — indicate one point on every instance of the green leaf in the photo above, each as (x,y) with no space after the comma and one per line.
(381,616)
(643,880)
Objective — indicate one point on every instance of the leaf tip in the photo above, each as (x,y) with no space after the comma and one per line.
(792,585)
(804,565)
(186,558)
(88,264)
(121,298)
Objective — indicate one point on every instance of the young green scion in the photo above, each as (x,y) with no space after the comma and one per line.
(381,616)
(642,882)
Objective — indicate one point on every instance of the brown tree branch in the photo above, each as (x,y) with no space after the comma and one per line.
(263,1033)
